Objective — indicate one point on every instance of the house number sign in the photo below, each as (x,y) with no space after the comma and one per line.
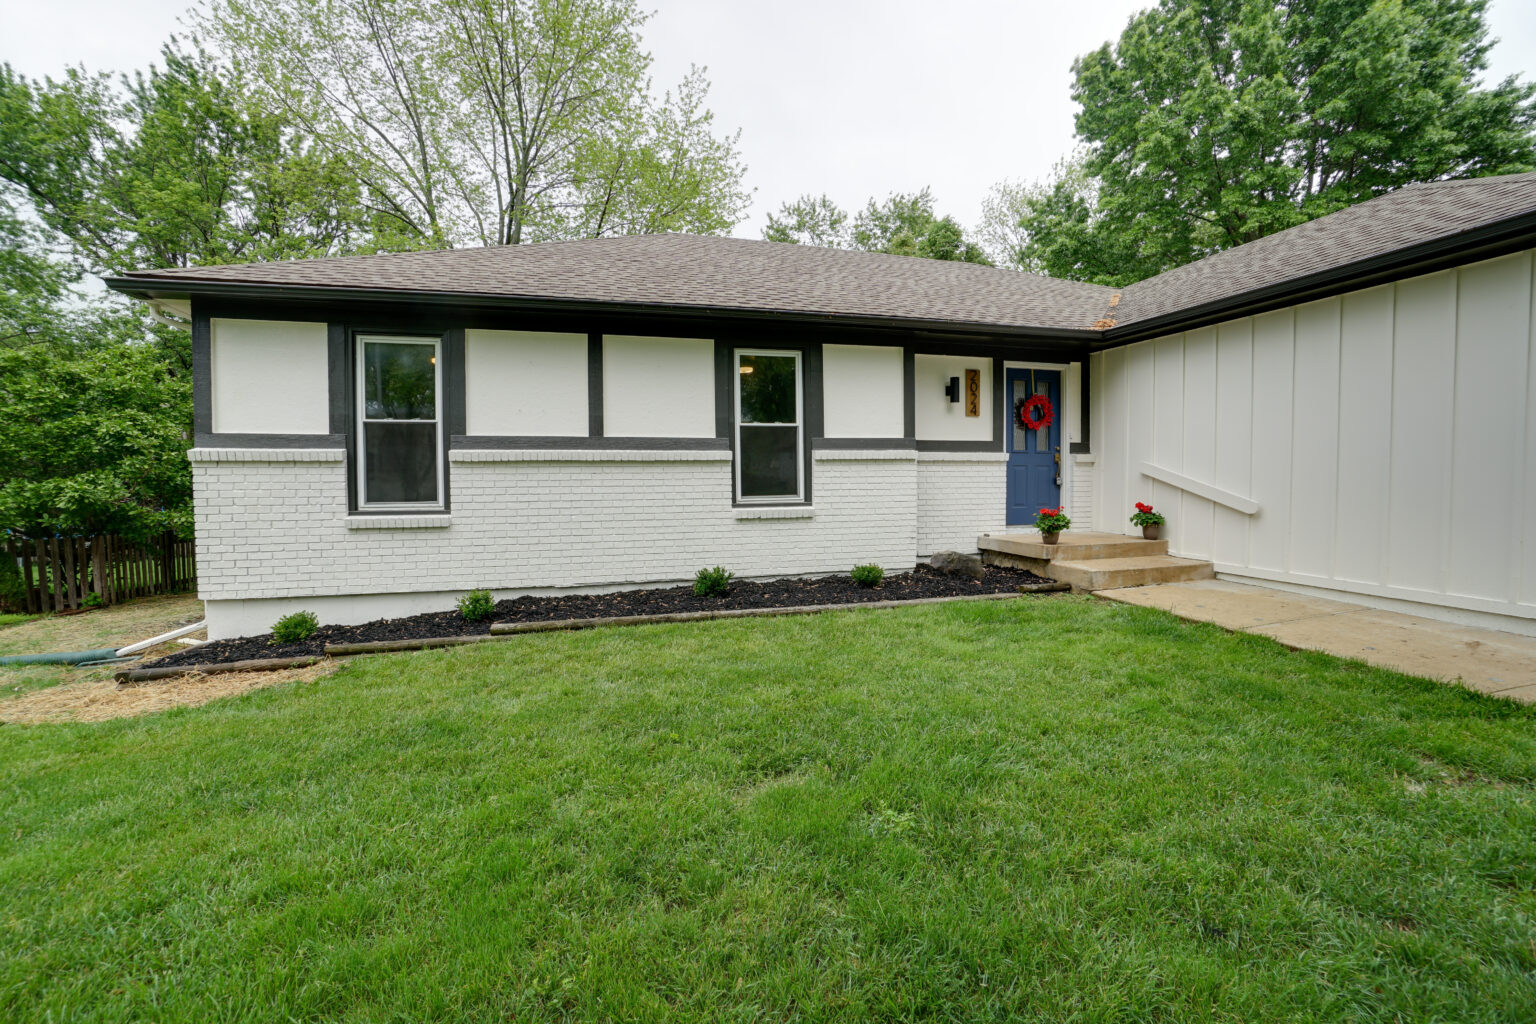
(973,392)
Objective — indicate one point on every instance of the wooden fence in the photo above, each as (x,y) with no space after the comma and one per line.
(58,573)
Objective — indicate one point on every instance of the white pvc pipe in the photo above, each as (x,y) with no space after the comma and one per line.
(156,641)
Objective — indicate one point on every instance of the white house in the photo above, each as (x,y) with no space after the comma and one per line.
(1346,406)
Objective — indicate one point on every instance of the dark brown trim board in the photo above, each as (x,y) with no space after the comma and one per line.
(822,444)
(289,441)
(594,384)
(486,442)
(202,372)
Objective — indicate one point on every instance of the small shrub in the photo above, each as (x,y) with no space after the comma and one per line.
(295,628)
(477,605)
(868,575)
(92,600)
(714,582)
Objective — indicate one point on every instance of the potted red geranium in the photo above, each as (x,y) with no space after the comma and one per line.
(1050,522)
(1151,522)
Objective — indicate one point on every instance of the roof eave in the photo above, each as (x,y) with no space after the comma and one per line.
(150,289)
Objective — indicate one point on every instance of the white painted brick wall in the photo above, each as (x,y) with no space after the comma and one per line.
(959,497)
(1080,500)
(278,529)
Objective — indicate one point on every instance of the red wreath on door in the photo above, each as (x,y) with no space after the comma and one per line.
(1036,413)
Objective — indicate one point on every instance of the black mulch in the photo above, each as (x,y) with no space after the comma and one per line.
(921,582)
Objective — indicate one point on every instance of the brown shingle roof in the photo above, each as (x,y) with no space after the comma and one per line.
(1389,223)
(698,271)
(711,273)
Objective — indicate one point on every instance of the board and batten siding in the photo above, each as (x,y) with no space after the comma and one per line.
(658,387)
(1388,436)
(525,383)
(268,377)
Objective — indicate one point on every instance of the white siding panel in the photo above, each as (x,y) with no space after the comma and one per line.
(864,388)
(1387,435)
(1234,436)
(1167,422)
(1140,403)
(1492,341)
(658,387)
(935,417)
(1365,431)
(1524,566)
(525,383)
(1108,407)
(1423,376)
(1314,438)
(269,377)
(1274,373)
(1199,514)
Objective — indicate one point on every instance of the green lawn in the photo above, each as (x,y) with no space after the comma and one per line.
(1051,809)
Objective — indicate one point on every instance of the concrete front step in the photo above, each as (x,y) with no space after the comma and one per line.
(1140,571)
(1072,546)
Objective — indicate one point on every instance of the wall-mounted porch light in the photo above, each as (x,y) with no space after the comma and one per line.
(952,389)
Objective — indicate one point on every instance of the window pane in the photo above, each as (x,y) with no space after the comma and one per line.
(1020,395)
(399,381)
(400,462)
(770,462)
(767,389)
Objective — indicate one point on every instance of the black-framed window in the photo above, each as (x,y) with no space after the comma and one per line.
(399,390)
(770,425)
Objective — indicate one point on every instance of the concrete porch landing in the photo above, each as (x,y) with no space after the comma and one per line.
(1092,561)
(1486,660)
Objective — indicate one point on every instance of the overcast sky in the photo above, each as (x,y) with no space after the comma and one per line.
(849,97)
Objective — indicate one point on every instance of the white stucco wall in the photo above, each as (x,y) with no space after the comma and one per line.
(864,391)
(525,383)
(269,377)
(1388,435)
(273,533)
(935,417)
(658,387)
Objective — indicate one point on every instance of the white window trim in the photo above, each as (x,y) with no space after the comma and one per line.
(362,419)
(799,425)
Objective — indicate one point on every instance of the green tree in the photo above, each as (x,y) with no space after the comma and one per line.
(809,220)
(1215,122)
(171,168)
(905,224)
(491,121)
(94,428)
(1052,227)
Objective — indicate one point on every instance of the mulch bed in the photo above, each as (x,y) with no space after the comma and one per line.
(921,582)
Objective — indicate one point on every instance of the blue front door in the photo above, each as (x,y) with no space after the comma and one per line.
(1034,456)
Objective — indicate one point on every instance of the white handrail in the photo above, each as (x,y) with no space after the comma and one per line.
(1247,506)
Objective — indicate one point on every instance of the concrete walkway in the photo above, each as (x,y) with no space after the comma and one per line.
(1486,660)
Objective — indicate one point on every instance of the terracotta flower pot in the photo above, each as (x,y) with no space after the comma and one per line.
(1151,532)
(1049,538)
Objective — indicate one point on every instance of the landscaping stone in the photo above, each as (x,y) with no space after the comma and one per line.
(953,563)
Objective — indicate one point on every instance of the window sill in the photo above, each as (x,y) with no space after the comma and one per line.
(776,512)
(428,521)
